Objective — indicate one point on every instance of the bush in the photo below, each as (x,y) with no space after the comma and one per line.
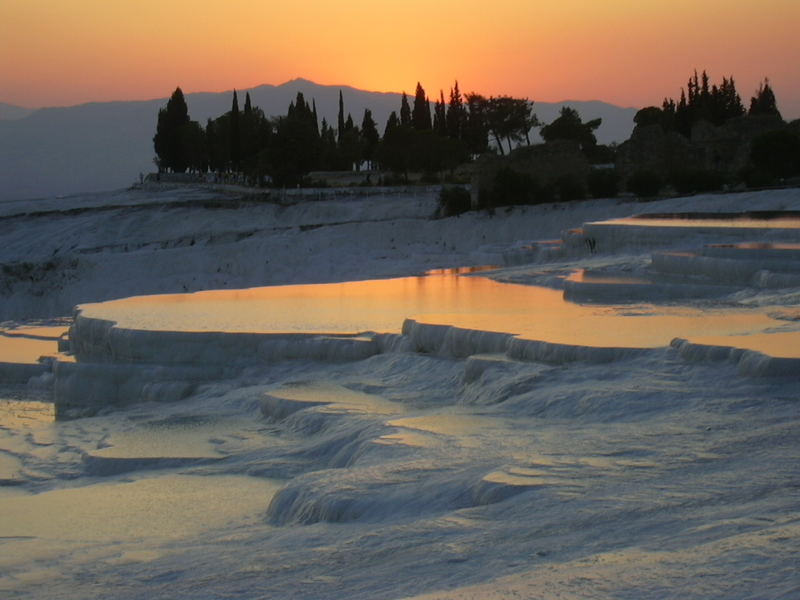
(603,183)
(485,200)
(512,188)
(430,177)
(454,201)
(601,154)
(570,188)
(689,181)
(754,177)
(644,184)
(777,153)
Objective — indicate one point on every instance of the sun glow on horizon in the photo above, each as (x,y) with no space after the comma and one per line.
(619,51)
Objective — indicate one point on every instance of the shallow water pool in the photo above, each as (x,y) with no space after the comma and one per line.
(447,298)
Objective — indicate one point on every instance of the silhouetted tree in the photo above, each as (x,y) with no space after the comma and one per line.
(777,153)
(725,102)
(248,107)
(236,140)
(395,147)
(510,119)
(456,114)
(569,126)
(405,112)
(440,115)
(763,103)
(650,115)
(170,138)
(194,143)
(255,131)
(217,159)
(297,146)
(314,117)
(716,104)
(369,137)
(421,115)
(350,146)
(392,123)
(340,118)
(475,129)
(328,148)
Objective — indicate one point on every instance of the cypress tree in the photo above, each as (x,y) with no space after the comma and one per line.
(731,99)
(314,114)
(254,133)
(440,115)
(328,156)
(369,137)
(405,112)
(763,103)
(340,120)
(246,135)
(296,148)
(456,114)
(236,142)
(170,138)
(392,123)
(393,151)
(421,115)
(350,145)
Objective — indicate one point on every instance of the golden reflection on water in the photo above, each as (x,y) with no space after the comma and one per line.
(160,443)
(758,246)
(786,222)
(783,344)
(587,276)
(26,344)
(128,515)
(336,398)
(16,414)
(469,302)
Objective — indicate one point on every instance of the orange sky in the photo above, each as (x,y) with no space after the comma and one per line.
(629,52)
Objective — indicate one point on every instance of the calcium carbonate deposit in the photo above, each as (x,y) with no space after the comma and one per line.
(270,399)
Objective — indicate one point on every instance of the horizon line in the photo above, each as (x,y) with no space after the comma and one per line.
(273,85)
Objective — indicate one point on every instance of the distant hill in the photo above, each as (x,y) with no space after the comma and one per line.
(100,146)
(9,112)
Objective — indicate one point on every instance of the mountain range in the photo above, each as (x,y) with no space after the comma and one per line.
(105,145)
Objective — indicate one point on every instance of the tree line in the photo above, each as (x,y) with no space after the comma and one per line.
(754,146)
(418,137)
(703,101)
(433,138)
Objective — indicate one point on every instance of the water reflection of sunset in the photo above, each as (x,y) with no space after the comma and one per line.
(786,222)
(27,344)
(447,298)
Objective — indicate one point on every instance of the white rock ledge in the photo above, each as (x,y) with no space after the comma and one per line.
(748,362)
(119,366)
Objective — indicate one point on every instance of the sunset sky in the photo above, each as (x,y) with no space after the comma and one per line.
(628,52)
